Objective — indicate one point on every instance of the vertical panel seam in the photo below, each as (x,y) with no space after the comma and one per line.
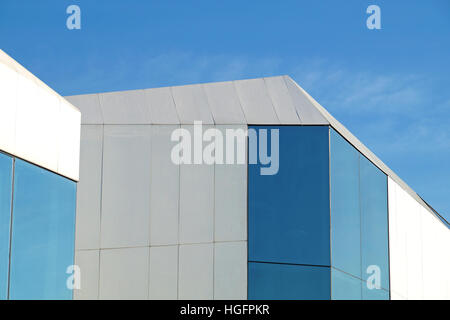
(101,212)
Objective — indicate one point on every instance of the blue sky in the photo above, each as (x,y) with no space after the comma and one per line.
(390,87)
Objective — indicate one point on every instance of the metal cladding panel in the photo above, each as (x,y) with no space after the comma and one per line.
(88,261)
(230,195)
(196,271)
(196,200)
(190,218)
(419,249)
(125,107)
(282,101)
(163,278)
(164,188)
(89,105)
(124,273)
(162,106)
(307,112)
(191,104)
(230,270)
(224,103)
(69,141)
(37,116)
(8,98)
(256,102)
(37,124)
(89,188)
(126,186)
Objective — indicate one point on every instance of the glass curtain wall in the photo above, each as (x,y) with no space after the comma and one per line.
(359,224)
(289,217)
(6,173)
(33,264)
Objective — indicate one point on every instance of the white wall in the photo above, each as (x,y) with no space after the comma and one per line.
(419,245)
(36,124)
(149,229)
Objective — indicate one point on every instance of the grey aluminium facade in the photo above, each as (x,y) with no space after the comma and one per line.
(333,223)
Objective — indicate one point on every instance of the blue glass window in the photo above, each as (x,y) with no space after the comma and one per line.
(6,168)
(348,287)
(374,221)
(345,206)
(374,294)
(359,221)
(43,233)
(345,286)
(289,212)
(288,282)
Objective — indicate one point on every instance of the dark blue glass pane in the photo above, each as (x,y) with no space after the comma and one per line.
(345,206)
(345,286)
(43,233)
(287,282)
(374,221)
(6,166)
(289,213)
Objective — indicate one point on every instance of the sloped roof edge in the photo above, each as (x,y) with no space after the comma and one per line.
(344,132)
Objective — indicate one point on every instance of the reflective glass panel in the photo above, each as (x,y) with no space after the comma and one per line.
(374,294)
(289,212)
(345,206)
(345,286)
(6,167)
(272,281)
(43,233)
(374,222)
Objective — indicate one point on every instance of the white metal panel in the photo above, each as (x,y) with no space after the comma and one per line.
(396,296)
(162,106)
(36,124)
(281,100)
(88,262)
(224,103)
(435,251)
(397,239)
(191,104)
(230,191)
(255,102)
(89,188)
(230,270)
(37,120)
(196,200)
(414,250)
(394,241)
(126,186)
(124,273)
(50,117)
(89,105)
(432,277)
(164,190)
(418,250)
(69,140)
(163,282)
(196,276)
(8,103)
(125,107)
